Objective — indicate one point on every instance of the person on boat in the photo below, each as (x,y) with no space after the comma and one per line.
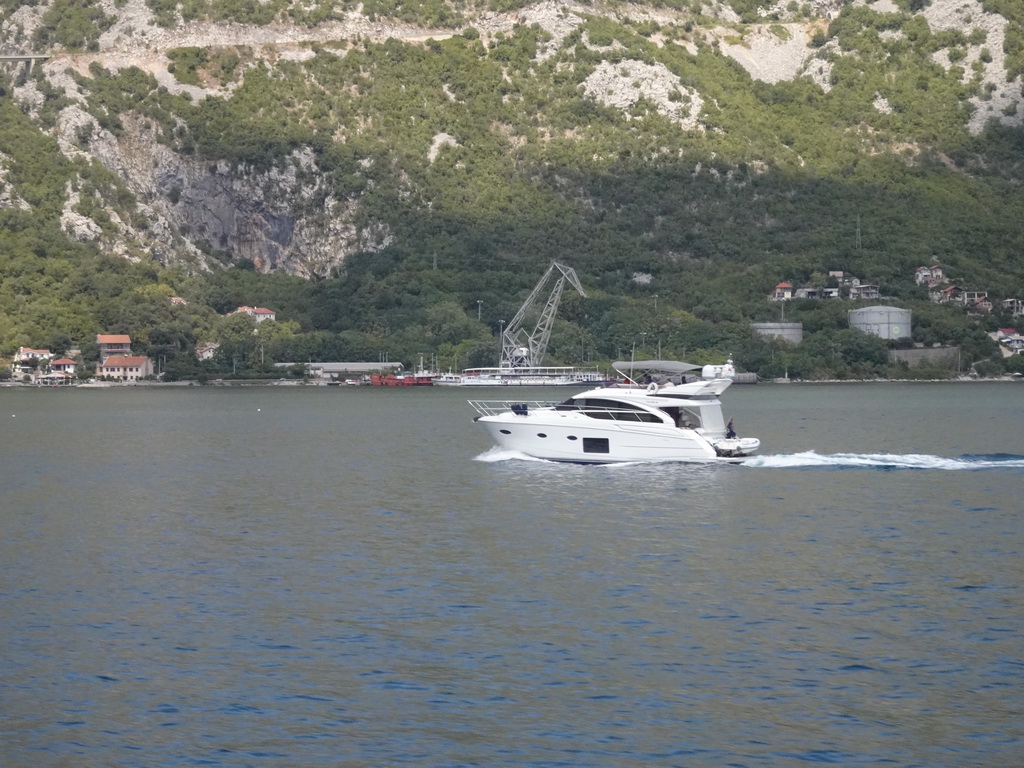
(730,433)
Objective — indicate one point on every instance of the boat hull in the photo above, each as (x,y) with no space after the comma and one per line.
(572,441)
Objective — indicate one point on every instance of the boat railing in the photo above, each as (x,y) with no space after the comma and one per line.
(494,407)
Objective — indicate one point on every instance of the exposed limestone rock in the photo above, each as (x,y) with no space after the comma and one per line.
(768,57)
(79,228)
(74,124)
(1001,99)
(30,97)
(622,85)
(440,140)
(8,197)
(820,71)
(16,30)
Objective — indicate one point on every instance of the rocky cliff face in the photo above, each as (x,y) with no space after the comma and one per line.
(279,219)
(193,211)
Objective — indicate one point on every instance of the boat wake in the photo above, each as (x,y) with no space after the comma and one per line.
(886,461)
(501,454)
(497,454)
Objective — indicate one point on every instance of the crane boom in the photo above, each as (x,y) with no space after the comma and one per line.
(520,348)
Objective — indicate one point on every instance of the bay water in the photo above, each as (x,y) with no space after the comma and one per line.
(355,576)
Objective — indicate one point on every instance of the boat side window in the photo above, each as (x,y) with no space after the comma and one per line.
(598,409)
(568,405)
(612,410)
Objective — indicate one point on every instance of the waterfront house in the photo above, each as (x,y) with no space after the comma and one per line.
(64,365)
(27,360)
(125,367)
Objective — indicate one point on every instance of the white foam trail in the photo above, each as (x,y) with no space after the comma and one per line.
(500,454)
(885,461)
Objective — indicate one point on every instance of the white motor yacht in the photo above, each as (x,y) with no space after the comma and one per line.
(657,421)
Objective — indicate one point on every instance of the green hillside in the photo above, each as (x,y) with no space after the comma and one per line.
(382,181)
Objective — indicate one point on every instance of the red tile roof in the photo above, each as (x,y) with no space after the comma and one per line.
(104,338)
(125,361)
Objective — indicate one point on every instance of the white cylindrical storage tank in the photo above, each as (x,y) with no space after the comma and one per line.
(792,332)
(884,322)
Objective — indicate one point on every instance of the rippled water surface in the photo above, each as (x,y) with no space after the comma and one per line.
(292,576)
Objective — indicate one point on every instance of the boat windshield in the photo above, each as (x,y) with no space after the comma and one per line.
(611,410)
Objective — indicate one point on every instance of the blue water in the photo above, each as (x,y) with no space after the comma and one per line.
(355,577)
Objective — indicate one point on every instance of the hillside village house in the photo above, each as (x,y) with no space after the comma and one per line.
(859,290)
(1009,338)
(930,276)
(856,289)
(949,294)
(258,313)
(113,344)
(1014,307)
(978,302)
(1014,343)
(206,351)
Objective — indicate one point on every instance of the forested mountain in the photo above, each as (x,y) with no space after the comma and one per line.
(393,176)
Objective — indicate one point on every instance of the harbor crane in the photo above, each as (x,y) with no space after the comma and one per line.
(521,348)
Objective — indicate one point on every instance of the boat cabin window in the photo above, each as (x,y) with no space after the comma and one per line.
(595,445)
(612,410)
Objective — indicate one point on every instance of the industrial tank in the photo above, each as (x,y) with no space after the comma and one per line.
(884,322)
